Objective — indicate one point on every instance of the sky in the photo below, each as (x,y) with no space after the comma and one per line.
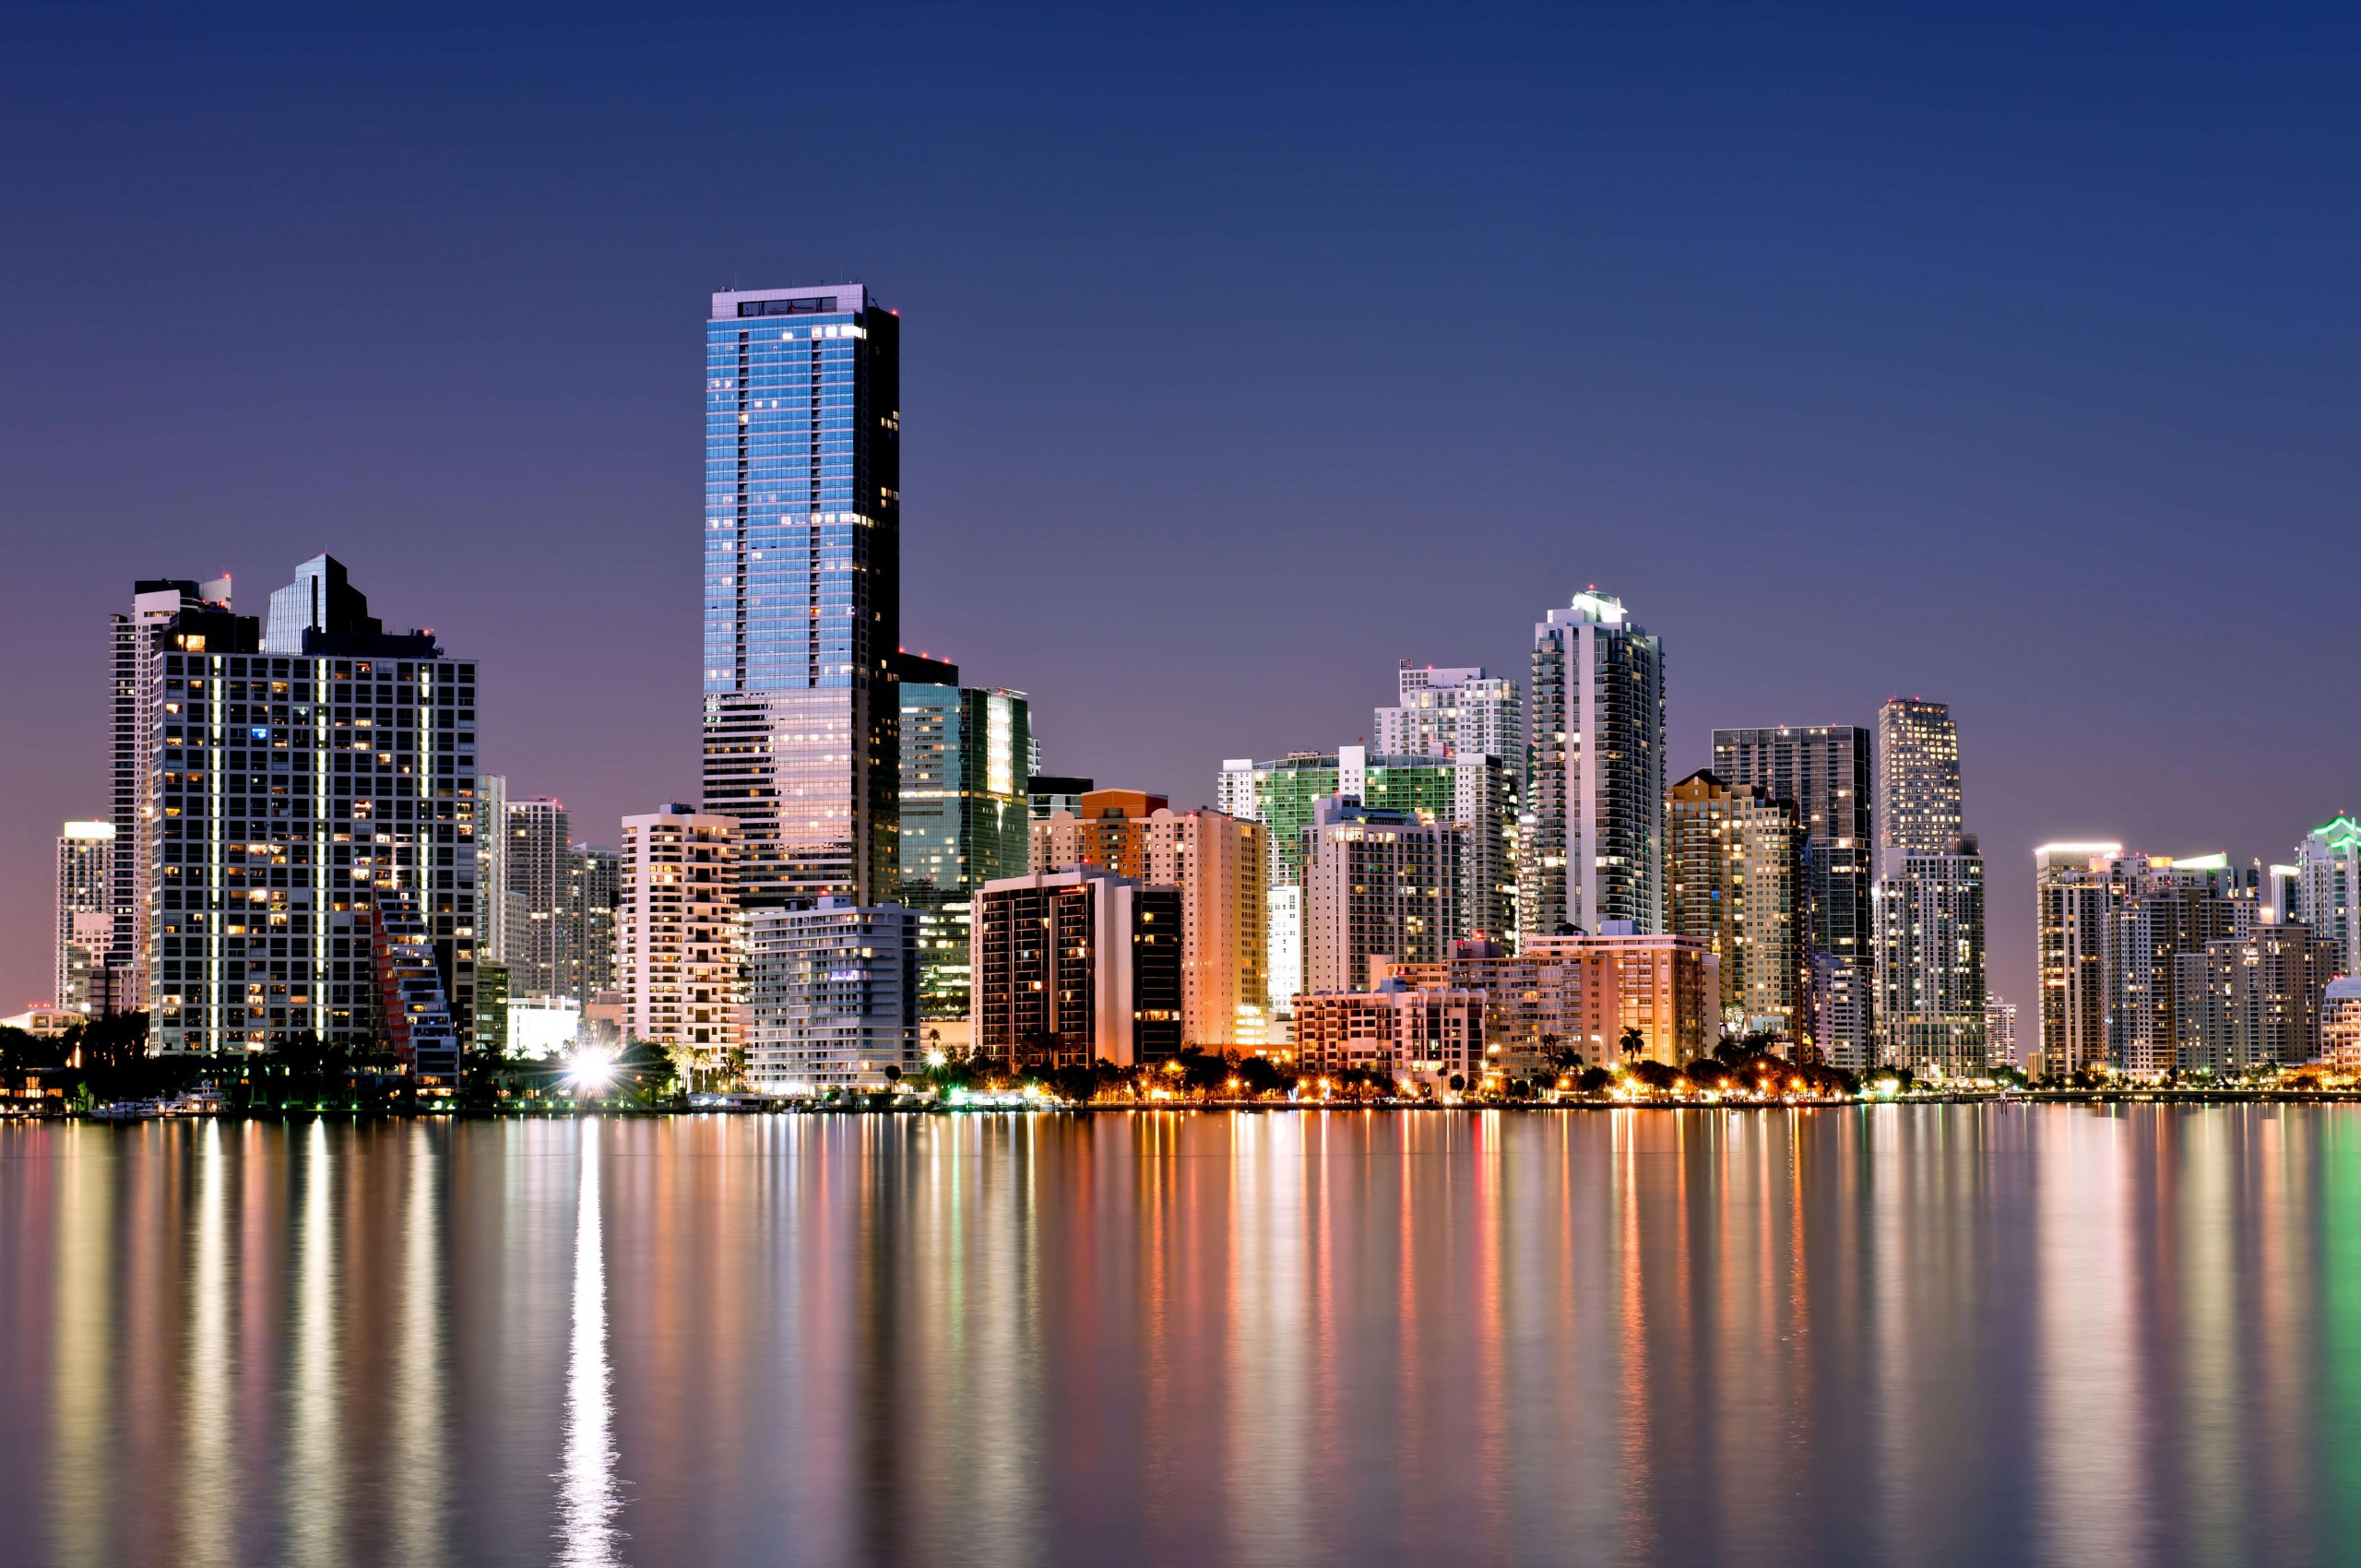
(2000,355)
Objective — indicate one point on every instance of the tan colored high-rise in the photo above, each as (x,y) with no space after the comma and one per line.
(1734,882)
(1219,862)
(676,931)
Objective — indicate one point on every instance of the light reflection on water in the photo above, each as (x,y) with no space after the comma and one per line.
(1893,1334)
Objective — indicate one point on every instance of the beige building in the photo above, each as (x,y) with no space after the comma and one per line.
(1582,993)
(1375,882)
(1398,1030)
(1735,883)
(676,931)
(1218,863)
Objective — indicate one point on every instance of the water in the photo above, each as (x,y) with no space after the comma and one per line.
(1971,1335)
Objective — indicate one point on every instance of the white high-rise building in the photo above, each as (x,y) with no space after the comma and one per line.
(832,996)
(676,931)
(1452,712)
(1930,960)
(1916,777)
(2000,1030)
(137,723)
(84,915)
(2328,888)
(1592,845)
(534,895)
(492,861)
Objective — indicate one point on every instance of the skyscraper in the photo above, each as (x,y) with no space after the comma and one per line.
(965,809)
(84,915)
(136,657)
(289,789)
(2328,888)
(533,863)
(1376,881)
(1592,851)
(1918,776)
(1931,960)
(832,996)
(802,589)
(1734,882)
(492,861)
(594,887)
(1458,712)
(1825,770)
(677,937)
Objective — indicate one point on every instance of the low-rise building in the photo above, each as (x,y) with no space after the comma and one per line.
(676,931)
(1585,995)
(832,996)
(1075,966)
(1398,1030)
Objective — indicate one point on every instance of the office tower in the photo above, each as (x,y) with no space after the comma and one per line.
(2000,1030)
(1461,712)
(414,1014)
(2254,1001)
(1594,852)
(1916,777)
(1047,794)
(1580,994)
(1930,960)
(2340,1025)
(964,807)
(1397,1031)
(1733,880)
(533,867)
(1825,770)
(85,916)
(318,599)
(1375,882)
(136,725)
(594,887)
(802,589)
(491,864)
(1075,967)
(676,938)
(1218,863)
(290,788)
(2326,887)
(832,997)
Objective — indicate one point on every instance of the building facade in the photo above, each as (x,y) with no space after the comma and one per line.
(137,723)
(286,790)
(802,589)
(1449,713)
(492,861)
(2000,1030)
(832,997)
(677,936)
(2255,1002)
(1734,882)
(1606,999)
(85,927)
(965,806)
(1398,1031)
(593,890)
(1376,883)
(1930,961)
(535,890)
(1916,777)
(1826,770)
(2340,1025)
(2327,894)
(1592,843)
(1075,966)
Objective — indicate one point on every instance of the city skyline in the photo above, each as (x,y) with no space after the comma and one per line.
(1820,439)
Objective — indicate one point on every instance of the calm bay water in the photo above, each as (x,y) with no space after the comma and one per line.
(1971,1335)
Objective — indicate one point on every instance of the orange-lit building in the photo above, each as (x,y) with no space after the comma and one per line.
(1396,1030)
(1583,994)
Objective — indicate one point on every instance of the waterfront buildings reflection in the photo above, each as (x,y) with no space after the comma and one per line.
(1892,1333)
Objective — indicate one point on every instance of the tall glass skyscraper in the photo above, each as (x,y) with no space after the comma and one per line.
(802,589)
(1592,843)
(965,814)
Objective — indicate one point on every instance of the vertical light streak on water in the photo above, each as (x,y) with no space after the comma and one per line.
(80,1482)
(2212,1463)
(1635,1395)
(2336,1344)
(208,1465)
(314,1480)
(421,1484)
(589,1498)
(2089,1512)
(2278,1433)
(1493,1333)
(1892,1414)
(1267,1458)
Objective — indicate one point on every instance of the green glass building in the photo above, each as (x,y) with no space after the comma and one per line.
(965,810)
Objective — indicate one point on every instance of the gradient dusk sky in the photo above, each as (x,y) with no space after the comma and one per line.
(2004,356)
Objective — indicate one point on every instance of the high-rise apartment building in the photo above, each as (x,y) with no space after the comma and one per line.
(594,889)
(2328,887)
(1930,960)
(287,791)
(1825,770)
(1593,845)
(1459,712)
(1075,966)
(1284,796)
(535,885)
(2254,1001)
(1376,881)
(965,809)
(1916,777)
(1734,882)
(85,930)
(2073,896)
(676,931)
(1585,994)
(802,589)
(137,728)
(832,996)
(2000,1030)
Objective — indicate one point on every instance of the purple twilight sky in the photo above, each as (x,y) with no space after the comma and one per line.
(2003,357)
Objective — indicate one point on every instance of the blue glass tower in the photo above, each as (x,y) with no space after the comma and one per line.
(802,589)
